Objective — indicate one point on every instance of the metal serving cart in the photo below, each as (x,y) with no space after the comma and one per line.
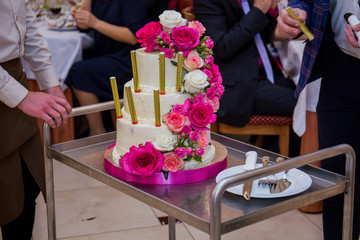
(205,205)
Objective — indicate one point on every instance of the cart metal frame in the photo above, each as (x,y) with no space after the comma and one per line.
(209,211)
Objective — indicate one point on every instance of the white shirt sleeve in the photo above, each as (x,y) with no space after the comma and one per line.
(11,91)
(37,53)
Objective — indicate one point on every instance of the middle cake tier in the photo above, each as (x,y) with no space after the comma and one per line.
(144,103)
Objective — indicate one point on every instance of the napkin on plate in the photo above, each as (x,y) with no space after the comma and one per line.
(250,164)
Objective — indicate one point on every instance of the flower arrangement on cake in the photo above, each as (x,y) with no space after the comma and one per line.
(188,122)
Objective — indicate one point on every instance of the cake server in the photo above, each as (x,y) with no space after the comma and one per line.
(283,183)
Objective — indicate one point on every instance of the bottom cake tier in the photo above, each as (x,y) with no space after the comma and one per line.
(203,170)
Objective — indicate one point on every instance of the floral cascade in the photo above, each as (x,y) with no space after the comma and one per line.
(188,121)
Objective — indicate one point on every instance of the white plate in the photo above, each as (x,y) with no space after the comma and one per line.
(300,182)
(62,29)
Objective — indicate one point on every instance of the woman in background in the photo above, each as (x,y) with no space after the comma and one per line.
(114,24)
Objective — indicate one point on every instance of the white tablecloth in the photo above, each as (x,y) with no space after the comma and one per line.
(66,49)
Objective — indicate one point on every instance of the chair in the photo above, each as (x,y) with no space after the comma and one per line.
(261,125)
(187,14)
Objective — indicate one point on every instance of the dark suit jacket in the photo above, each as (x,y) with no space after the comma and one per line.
(235,52)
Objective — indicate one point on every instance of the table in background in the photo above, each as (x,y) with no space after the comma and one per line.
(66,48)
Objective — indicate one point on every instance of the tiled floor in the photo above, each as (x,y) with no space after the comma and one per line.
(87,210)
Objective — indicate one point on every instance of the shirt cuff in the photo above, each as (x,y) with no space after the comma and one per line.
(47,78)
(12,93)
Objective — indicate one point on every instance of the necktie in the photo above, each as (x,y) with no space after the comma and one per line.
(261,47)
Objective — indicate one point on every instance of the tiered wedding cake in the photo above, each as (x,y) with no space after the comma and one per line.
(163,127)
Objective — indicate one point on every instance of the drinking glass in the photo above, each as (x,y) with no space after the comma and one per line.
(55,7)
(35,6)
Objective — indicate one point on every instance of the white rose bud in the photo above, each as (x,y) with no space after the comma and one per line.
(170,19)
(165,142)
(195,81)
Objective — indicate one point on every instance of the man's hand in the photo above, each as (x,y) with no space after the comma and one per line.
(350,35)
(52,108)
(289,27)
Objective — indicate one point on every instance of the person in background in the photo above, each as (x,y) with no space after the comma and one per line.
(333,55)
(22,173)
(114,24)
(253,79)
(155,8)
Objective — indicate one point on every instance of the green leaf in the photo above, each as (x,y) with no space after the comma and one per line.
(197,158)
(174,63)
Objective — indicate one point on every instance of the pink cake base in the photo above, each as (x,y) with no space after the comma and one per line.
(218,163)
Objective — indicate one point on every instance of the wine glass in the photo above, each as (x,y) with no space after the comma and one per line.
(35,6)
(55,7)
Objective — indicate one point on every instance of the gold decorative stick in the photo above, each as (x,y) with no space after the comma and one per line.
(303,28)
(179,71)
(135,71)
(131,105)
(116,97)
(157,107)
(162,72)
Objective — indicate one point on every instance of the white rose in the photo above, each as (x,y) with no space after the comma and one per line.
(165,142)
(195,81)
(170,19)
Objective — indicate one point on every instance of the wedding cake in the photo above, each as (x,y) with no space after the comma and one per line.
(163,127)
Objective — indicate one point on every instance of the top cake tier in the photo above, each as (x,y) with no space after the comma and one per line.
(148,71)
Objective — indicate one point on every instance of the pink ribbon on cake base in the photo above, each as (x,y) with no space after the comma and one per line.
(180,177)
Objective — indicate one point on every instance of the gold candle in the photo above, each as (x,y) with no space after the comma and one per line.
(303,28)
(157,107)
(131,105)
(179,71)
(135,71)
(162,72)
(116,97)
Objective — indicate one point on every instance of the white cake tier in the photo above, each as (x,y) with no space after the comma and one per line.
(128,135)
(148,71)
(144,104)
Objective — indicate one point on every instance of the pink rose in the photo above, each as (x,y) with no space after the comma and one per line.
(211,92)
(180,152)
(209,43)
(175,121)
(150,46)
(199,98)
(143,161)
(172,163)
(165,37)
(185,39)
(207,72)
(201,115)
(194,135)
(220,89)
(182,108)
(193,61)
(169,52)
(190,151)
(198,26)
(202,140)
(186,130)
(209,60)
(215,103)
(199,152)
(147,35)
